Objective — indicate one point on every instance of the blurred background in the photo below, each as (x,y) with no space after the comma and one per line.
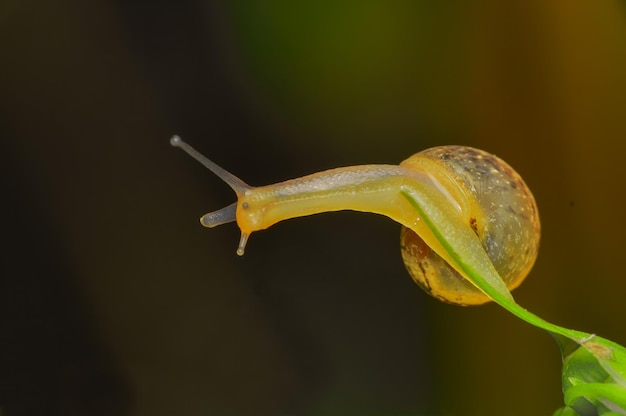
(115,301)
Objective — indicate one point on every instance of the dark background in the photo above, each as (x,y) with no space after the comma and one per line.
(115,301)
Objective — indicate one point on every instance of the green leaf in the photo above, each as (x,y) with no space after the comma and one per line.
(593,377)
(565,411)
(594,368)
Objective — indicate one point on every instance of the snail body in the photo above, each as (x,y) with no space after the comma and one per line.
(463,211)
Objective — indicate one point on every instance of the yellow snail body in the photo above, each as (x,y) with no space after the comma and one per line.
(463,211)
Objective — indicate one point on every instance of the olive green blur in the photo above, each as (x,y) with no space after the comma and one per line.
(116,301)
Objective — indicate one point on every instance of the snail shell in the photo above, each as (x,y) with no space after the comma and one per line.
(495,202)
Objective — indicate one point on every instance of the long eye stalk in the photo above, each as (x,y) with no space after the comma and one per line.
(226,214)
(239,186)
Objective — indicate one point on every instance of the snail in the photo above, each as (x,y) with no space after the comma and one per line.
(464,212)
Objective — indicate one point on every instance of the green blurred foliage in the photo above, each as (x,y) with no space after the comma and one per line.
(358,72)
(379,69)
(319,317)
